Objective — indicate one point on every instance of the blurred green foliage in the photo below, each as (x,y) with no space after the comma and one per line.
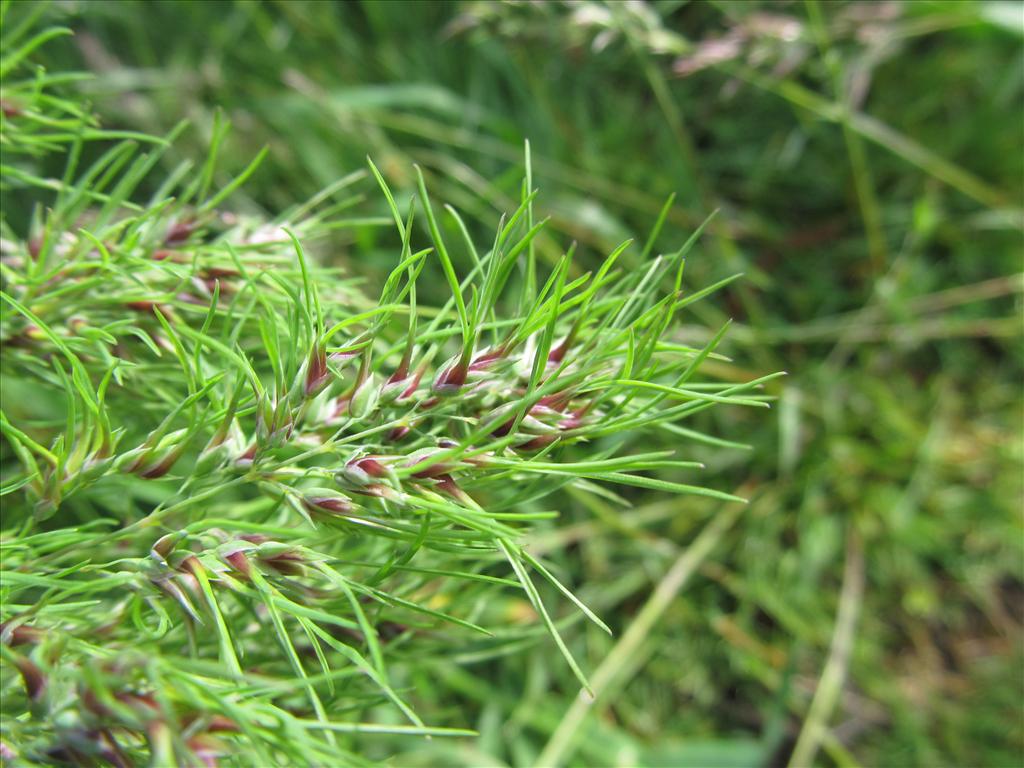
(866,161)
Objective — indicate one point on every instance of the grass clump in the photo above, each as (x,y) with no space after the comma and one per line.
(245,503)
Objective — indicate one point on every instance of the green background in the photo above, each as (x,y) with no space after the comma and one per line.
(866,163)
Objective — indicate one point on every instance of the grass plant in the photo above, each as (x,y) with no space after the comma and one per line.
(234,484)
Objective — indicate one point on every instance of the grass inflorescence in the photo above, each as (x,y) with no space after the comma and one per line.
(240,488)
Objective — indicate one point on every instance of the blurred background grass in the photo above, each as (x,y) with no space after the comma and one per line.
(866,160)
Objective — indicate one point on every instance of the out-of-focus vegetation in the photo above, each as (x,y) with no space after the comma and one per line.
(866,162)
